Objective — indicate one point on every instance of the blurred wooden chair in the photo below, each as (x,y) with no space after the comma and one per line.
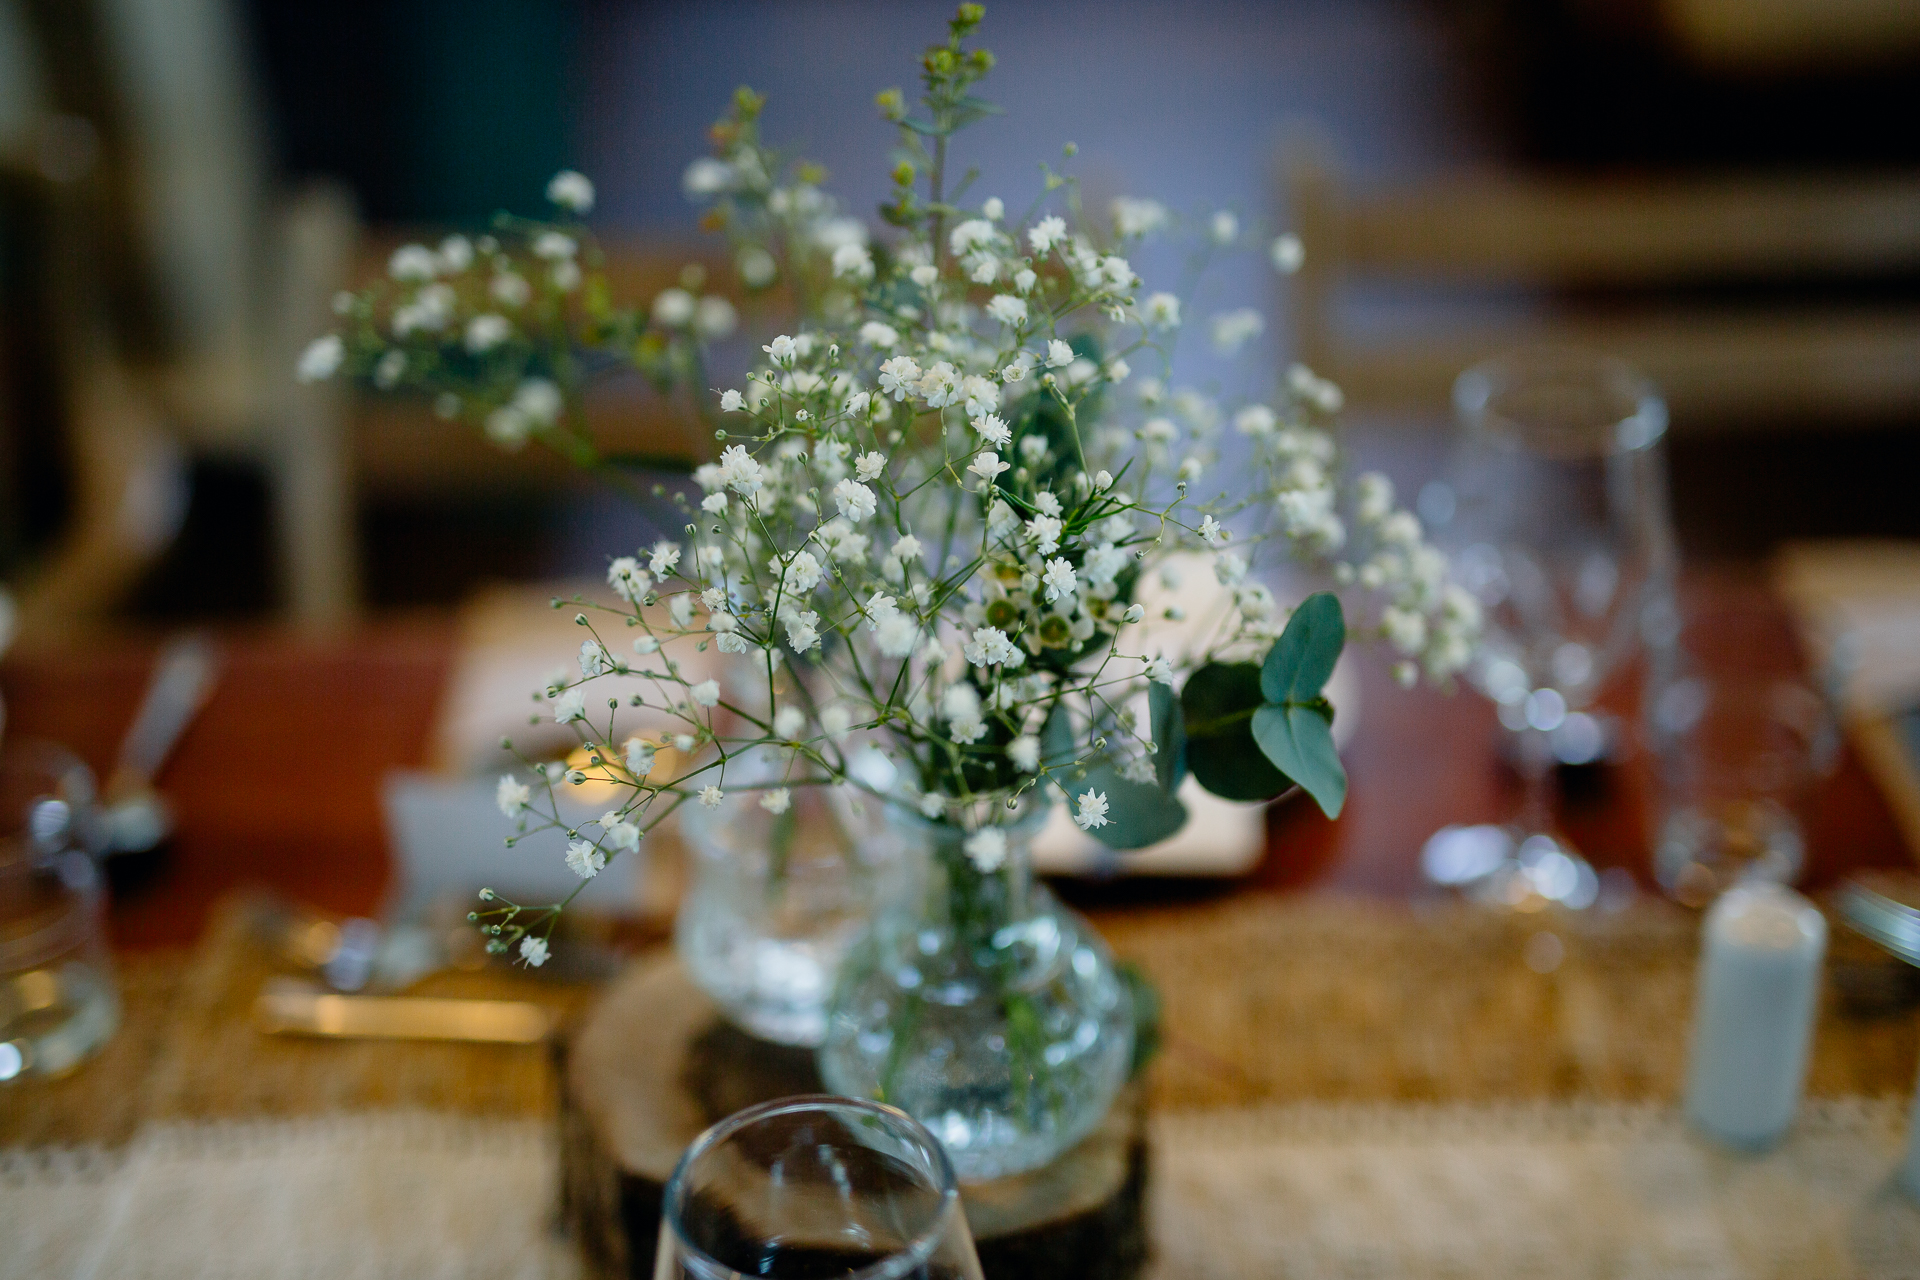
(1760,36)
(142,134)
(1650,270)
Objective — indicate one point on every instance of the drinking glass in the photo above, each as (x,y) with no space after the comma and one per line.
(1560,529)
(815,1186)
(58,1003)
(1739,754)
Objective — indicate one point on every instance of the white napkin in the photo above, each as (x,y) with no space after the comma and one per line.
(1858,605)
(449,841)
(512,643)
(1221,837)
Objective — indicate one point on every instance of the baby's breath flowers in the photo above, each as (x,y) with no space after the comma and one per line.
(935,498)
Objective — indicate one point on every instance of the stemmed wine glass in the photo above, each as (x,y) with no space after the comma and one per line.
(812,1187)
(1560,529)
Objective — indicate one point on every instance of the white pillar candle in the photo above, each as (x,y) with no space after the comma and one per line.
(1758,991)
(1910,1171)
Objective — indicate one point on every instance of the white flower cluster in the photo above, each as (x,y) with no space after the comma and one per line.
(918,500)
(1428,619)
(933,504)
(468,318)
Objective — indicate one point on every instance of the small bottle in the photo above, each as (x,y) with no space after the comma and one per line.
(1759,989)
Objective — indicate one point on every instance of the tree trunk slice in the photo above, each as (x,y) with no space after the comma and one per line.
(653,1064)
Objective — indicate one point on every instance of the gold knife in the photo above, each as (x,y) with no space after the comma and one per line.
(288,1006)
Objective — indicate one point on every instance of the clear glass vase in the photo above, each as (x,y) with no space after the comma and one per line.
(776,899)
(980,1006)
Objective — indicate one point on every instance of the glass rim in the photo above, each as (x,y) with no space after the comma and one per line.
(895,1267)
(41,760)
(1635,430)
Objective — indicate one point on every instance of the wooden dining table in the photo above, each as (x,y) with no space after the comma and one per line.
(1331,983)
(277,783)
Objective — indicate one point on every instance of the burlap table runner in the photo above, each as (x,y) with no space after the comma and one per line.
(188,1050)
(1312,999)
(1585,1190)
(1347,1089)
(411,1195)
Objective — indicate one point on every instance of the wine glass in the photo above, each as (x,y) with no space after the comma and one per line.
(1560,530)
(813,1187)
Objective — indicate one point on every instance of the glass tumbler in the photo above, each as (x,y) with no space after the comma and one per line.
(1739,755)
(58,1003)
(815,1186)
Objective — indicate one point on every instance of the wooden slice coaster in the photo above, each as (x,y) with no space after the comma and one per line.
(653,1064)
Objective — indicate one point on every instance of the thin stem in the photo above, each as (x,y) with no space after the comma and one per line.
(1535,763)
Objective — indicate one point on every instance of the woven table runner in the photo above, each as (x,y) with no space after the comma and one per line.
(1346,1089)
(188,1049)
(1265,1000)
(404,1194)
(1300,1000)
(1577,1190)
(1312,1192)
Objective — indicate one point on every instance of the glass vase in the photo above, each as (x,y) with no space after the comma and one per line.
(776,899)
(980,1006)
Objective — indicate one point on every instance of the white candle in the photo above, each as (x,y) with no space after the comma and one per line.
(1910,1171)
(1758,990)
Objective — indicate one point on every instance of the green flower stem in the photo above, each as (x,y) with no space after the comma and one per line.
(902,1033)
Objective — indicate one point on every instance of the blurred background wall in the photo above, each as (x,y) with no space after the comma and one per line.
(186,182)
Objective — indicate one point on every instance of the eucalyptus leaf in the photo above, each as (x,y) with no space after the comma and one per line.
(1301,660)
(1138,813)
(1299,740)
(1169,731)
(1056,739)
(1217,706)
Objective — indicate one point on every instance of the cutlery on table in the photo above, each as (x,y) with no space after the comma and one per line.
(133,820)
(288,1006)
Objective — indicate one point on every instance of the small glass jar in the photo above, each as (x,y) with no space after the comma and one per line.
(58,1002)
(776,899)
(979,1005)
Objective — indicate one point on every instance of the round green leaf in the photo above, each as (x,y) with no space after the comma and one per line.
(1218,705)
(1300,741)
(1138,813)
(1169,736)
(1057,746)
(1301,660)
